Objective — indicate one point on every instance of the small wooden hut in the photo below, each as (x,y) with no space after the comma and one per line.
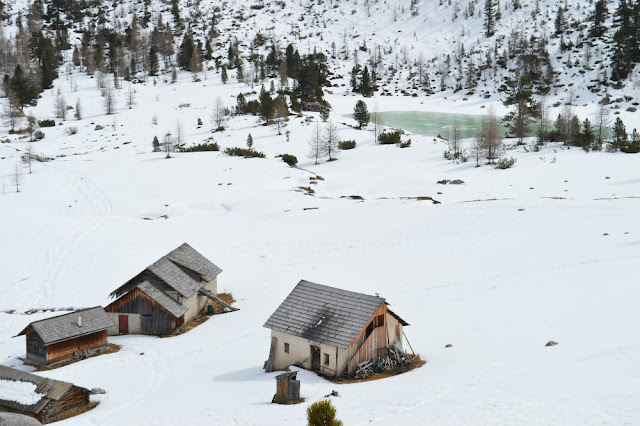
(44,399)
(331,331)
(287,388)
(57,339)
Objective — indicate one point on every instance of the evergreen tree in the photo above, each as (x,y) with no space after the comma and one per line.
(619,134)
(20,86)
(249,141)
(223,75)
(176,13)
(365,85)
(153,62)
(560,21)
(587,137)
(599,15)
(186,52)
(241,104)
(361,113)
(266,105)
(156,144)
(489,17)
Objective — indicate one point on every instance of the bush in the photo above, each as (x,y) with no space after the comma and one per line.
(71,130)
(205,146)
(38,135)
(460,155)
(244,152)
(289,159)
(406,144)
(347,144)
(322,413)
(47,123)
(505,163)
(389,138)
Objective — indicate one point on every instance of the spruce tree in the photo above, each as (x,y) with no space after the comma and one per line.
(153,61)
(361,113)
(156,144)
(249,141)
(489,17)
(365,85)
(599,15)
(223,75)
(619,134)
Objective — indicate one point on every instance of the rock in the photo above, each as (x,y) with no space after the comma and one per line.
(98,391)
(99,127)
(605,234)
(439,193)
(520,210)
(448,345)
(632,109)
(443,181)
(551,343)
(319,177)
(607,177)
(457,182)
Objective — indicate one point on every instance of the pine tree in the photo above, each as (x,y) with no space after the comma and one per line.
(266,105)
(599,15)
(153,62)
(156,144)
(489,17)
(619,134)
(361,113)
(587,137)
(249,141)
(365,85)
(223,75)
(560,22)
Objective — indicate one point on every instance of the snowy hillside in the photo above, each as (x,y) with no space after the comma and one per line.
(545,250)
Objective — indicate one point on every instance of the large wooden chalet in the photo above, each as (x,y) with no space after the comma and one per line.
(166,295)
(57,339)
(330,330)
(45,399)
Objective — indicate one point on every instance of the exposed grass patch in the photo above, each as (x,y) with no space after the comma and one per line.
(421,198)
(202,316)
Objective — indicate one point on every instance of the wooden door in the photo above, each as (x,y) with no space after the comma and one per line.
(123,324)
(315,358)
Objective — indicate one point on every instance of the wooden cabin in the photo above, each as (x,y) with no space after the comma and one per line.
(60,338)
(44,399)
(330,331)
(166,295)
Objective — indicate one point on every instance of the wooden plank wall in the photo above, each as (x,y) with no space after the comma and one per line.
(367,349)
(158,320)
(65,349)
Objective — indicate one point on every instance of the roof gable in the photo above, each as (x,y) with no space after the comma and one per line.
(173,307)
(175,277)
(65,326)
(324,314)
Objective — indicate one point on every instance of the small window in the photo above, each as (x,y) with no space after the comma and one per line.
(380,321)
(286,347)
(326,359)
(199,277)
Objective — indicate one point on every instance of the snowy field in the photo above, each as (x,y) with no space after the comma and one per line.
(547,250)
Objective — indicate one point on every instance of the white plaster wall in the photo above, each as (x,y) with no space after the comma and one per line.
(134,323)
(394,328)
(300,354)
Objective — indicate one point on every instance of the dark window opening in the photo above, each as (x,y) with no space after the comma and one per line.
(286,347)
(326,359)
(379,320)
(369,330)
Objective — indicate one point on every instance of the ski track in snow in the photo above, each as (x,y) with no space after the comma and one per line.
(52,259)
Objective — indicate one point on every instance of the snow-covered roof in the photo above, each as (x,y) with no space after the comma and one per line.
(324,314)
(66,326)
(27,392)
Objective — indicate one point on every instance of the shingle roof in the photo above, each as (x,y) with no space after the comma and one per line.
(65,326)
(50,389)
(324,314)
(176,309)
(188,257)
(175,277)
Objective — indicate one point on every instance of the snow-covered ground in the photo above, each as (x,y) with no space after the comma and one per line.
(20,392)
(547,250)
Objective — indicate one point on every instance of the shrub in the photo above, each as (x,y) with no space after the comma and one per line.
(347,144)
(505,163)
(38,135)
(322,413)
(406,144)
(71,130)
(389,138)
(289,159)
(205,146)
(47,123)
(244,152)
(460,155)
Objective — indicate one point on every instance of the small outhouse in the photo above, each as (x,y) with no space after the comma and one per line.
(288,388)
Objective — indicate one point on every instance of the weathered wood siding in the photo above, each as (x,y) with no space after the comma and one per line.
(65,349)
(36,349)
(73,398)
(369,347)
(154,319)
